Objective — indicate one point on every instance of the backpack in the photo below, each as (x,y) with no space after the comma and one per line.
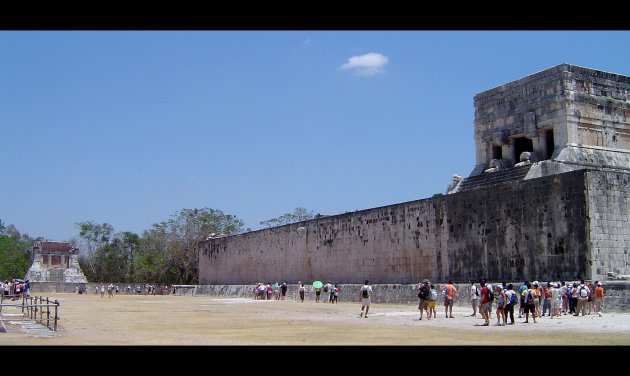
(583,292)
(325,288)
(513,298)
(490,295)
(529,298)
(365,293)
(434,295)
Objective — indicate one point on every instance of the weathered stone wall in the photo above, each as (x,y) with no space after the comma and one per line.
(609,223)
(534,229)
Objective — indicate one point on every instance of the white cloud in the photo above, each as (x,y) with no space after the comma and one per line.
(368,64)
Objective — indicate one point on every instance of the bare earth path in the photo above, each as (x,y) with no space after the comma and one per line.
(181,320)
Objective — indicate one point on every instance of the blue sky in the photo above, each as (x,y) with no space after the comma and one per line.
(129,127)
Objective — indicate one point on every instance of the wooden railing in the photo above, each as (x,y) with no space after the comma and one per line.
(43,310)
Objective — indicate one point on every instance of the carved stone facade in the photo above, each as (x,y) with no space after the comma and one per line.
(572,117)
(55,262)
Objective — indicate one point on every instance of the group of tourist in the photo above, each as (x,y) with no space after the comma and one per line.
(15,289)
(112,289)
(535,299)
(268,291)
(428,295)
(328,292)
(552,299)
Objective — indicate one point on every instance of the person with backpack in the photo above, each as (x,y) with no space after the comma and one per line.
(521,306)
(483,304)
(365,295)
(433,295)
(424,294)
(474,298)
(510,302)
(529,306)
(582,298)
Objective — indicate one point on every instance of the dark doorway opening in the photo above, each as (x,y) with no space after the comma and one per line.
(497,152)
(522,144)
(549,144)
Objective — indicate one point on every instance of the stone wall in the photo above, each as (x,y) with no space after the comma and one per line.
(609,223)
(534,229)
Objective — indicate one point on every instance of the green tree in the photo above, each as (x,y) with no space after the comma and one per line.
(299,214)
(186,229)
(15,252)
(93,237)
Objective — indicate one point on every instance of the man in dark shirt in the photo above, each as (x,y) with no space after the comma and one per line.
(425,290)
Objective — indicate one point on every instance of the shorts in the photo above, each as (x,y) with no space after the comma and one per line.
(448,302)
(529,308)
(432,304)
(484,308)
(424,304)
(365,302)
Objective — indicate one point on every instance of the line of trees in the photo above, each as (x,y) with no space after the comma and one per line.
(164,254)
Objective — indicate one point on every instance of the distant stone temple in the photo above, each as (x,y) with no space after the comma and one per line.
(55,267)
(548,199)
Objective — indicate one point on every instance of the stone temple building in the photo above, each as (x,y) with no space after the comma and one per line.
(548,199)
(55,267)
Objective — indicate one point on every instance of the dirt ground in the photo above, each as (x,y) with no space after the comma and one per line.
(185,320)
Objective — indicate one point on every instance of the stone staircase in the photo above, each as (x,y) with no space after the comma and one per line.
(56,275)
(488,179)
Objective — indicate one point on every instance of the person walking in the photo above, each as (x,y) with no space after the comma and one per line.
(450,291)
(511,301)
(283,290)
(365,295)
(483,304)
(474,298)
(424,295)
(301,290)
(598,299)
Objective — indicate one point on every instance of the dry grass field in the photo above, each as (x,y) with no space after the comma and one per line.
(184,320)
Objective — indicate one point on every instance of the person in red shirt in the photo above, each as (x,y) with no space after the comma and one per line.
(483,304)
